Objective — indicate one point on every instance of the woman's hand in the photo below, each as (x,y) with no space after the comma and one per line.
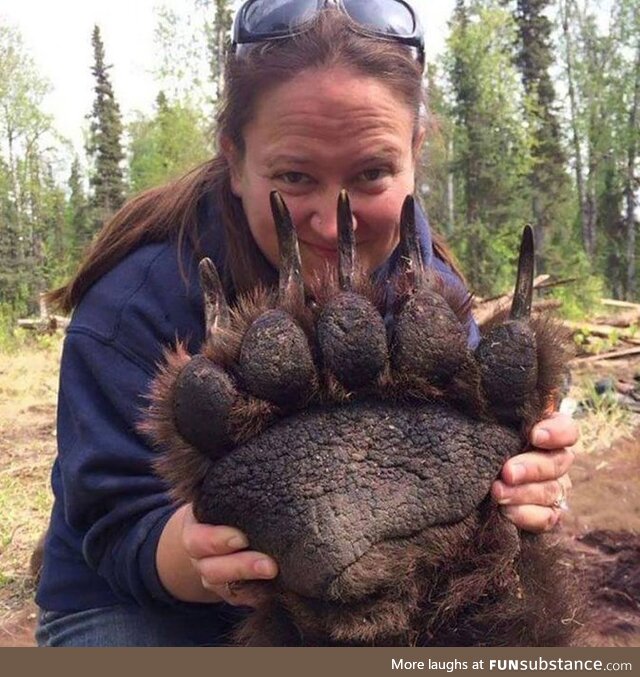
(220,557)
(533,485)
(200,563)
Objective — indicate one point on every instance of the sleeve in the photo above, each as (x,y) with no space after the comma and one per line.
(111,494)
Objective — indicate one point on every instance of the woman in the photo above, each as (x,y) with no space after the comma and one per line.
(334,102)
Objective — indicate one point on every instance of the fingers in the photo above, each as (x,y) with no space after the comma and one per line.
(224,575)
(219,556)
(534,507)
(537,466)
(555,432)
(240,566)
(544,494)
(532,486)
(204,540)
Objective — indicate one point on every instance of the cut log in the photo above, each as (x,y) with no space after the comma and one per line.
(549,284)
(626,319)
(485,309)
(539,281)
(612,355)
(620,304)
(45,325)
(602,330)
(547,304)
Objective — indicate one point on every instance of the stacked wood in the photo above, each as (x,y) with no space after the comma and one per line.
(46,323)
(484,309)
(627,318)
(621,329)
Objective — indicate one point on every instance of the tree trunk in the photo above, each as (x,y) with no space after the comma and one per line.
(630,188)
(577,151)
(590,209)
(450,188)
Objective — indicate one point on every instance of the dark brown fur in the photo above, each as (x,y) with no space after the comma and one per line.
(476,582)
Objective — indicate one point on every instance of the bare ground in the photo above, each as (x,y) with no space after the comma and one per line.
(601,531)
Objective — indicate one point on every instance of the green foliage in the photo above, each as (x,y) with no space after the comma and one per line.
(602,415)
(29,198)
(104,146)
(497,157)
(548,179)
(167,144)
(492,149)
(605,123)
(78,228)
(218,29)
(434,172)
(581,298)
(12,338)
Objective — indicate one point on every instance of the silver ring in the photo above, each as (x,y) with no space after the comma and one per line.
(561,502)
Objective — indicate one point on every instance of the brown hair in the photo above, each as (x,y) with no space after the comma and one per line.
(171,210)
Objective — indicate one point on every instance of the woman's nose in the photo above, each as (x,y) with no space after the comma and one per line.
(324,223)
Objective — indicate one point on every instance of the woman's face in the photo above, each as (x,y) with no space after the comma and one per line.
(323,131)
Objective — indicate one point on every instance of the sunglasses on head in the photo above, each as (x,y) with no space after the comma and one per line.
(266,20)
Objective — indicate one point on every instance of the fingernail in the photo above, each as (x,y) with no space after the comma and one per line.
(518,472)
(264,568)
(237,543)
(541,436)
(499,494)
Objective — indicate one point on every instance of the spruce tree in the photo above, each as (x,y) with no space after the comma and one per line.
(218,31)
(166,144)
(548,178)
(105,141)
(78,227)
(491,146)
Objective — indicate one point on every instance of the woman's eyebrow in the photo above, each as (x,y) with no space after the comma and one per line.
(384,155)
(286,159)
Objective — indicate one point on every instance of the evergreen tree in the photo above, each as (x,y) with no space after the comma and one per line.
(56,248)
(435,178)
(602,67)
(548,178)
(78,226)
(492,148)
(105,141)
(218,30)
(27,190)
(167,144)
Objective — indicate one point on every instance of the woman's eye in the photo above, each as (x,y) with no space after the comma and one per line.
(293,178)
(373,174)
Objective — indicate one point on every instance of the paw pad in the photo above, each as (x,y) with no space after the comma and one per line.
(328,430)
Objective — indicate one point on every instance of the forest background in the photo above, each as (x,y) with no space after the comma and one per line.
(535,119)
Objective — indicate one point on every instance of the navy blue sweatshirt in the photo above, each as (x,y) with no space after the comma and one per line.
(109,508)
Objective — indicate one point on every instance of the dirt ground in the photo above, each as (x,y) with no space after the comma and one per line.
(28,391)
(602,528)
(601,531)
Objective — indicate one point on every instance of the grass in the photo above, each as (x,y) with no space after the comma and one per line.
(28,391)
(604,420)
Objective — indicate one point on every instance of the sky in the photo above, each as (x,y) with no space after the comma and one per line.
(57,34)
